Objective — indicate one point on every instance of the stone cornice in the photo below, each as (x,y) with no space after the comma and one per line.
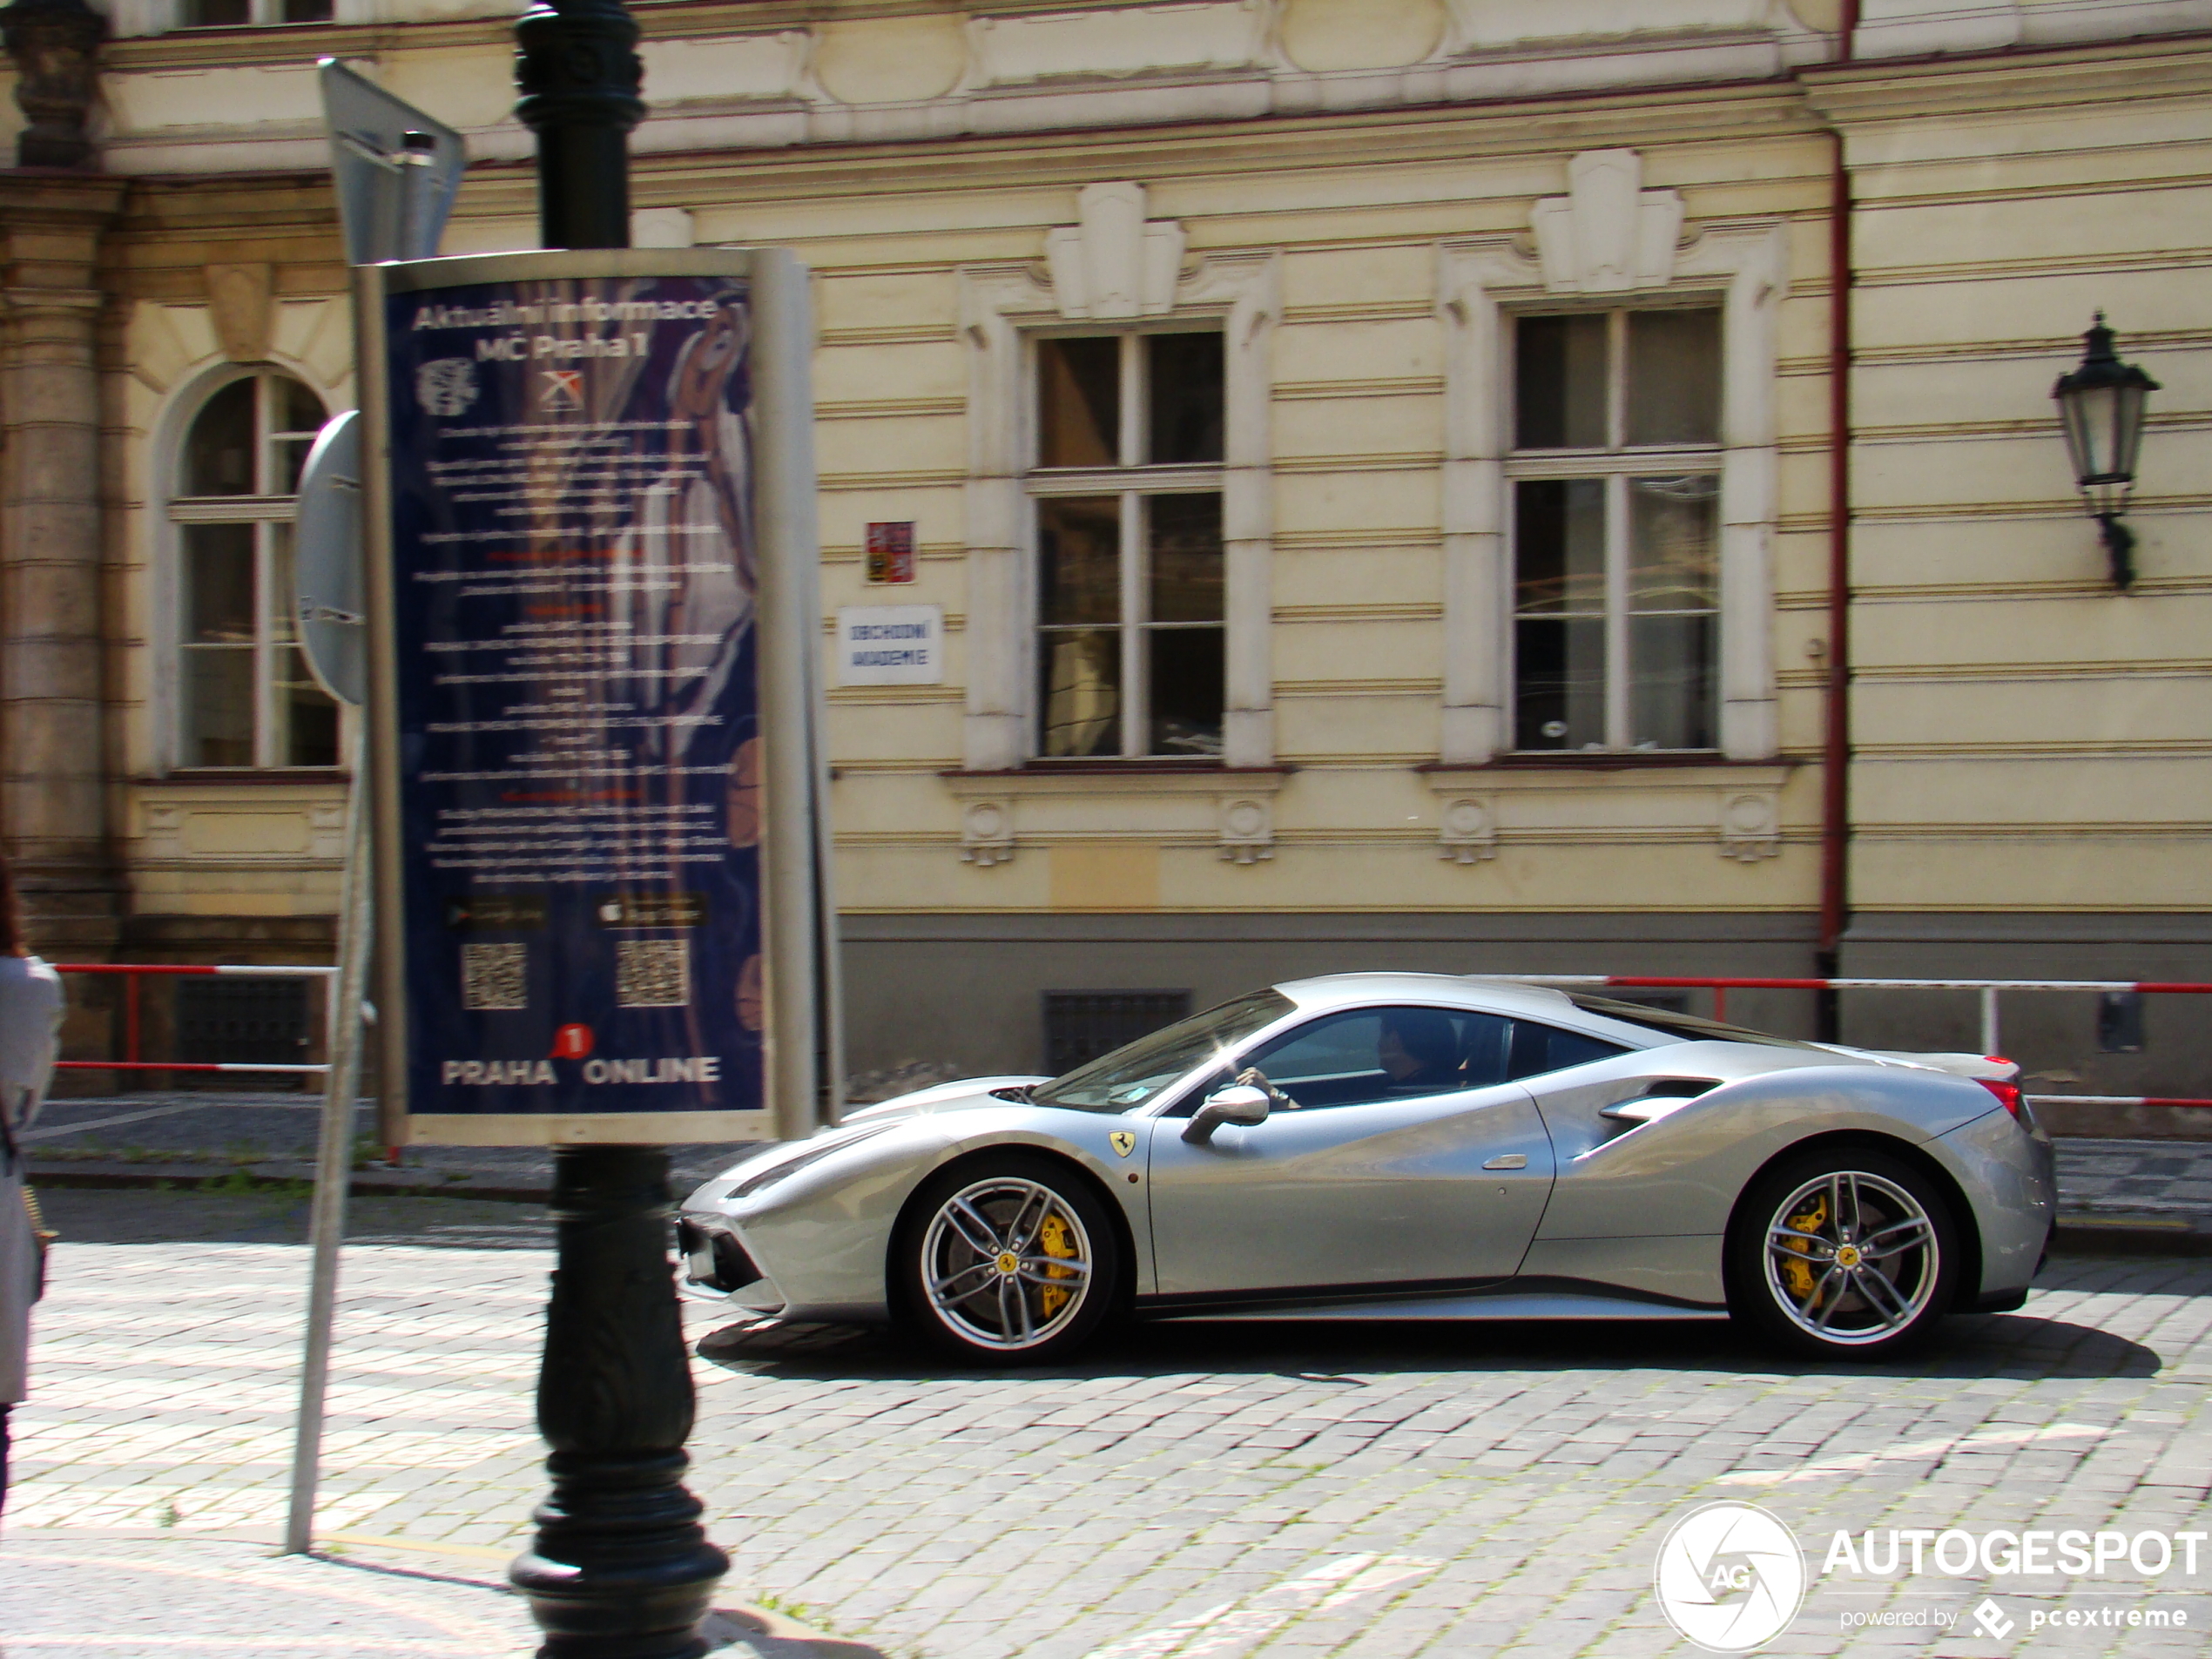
(280,45)
(1442,134)
(2012,82)
(39,195)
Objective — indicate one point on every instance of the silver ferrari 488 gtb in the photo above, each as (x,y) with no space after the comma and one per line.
(1405,1146)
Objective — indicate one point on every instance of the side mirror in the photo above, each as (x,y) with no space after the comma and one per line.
(1238,1103)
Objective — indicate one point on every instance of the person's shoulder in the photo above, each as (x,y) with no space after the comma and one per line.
(33,975)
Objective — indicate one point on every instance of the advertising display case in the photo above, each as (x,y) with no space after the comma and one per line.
(596,754)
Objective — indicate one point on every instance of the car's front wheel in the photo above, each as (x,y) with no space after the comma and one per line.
(1845,1252)
(1008,1260)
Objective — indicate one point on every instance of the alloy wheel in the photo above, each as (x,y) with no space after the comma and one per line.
(1006,1264)
(1852,1258)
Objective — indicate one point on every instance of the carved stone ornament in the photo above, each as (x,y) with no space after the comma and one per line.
(1114,263)
(987,833)
(241,305)
(1467,830)
(1750,825)
(1607,234)
(55,45)
(1247,826)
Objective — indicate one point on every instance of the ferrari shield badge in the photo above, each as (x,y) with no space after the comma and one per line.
(1124,1141)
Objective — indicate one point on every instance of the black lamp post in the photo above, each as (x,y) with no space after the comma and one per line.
(620,1569)
(2101,406)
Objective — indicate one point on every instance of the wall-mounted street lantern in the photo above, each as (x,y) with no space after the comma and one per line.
(2100,408)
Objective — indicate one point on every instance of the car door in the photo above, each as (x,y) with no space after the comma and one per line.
(1373,1180)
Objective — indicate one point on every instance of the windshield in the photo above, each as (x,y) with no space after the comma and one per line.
(1686,1026)
(1134,1073)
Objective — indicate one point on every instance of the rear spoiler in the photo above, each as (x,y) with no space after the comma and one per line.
(1993,1068)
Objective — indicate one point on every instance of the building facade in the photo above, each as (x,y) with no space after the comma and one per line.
(1431,484)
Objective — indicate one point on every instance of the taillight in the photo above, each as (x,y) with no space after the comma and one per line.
(2009,1094)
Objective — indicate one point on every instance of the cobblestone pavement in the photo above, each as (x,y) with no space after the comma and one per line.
(1268,1490)
(2173,1177)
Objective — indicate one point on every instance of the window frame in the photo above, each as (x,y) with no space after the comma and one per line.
(263,511)
(1614,465)
(1129,482)
(260,14)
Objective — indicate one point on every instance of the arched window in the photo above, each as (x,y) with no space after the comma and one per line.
(246,697)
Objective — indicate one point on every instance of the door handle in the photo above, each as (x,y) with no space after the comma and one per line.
(1508,1161)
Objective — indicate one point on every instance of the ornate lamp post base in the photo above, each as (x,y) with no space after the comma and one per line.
(621,1569)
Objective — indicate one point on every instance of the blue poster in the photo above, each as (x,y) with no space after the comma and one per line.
(574,586)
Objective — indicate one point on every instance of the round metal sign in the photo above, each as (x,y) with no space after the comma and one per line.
(331,602)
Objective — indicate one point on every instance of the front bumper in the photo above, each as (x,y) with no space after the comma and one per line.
(716,1261)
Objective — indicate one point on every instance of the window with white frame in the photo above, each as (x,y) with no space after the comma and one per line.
(1615,482)
(246,699)
(1126,494)
(231,14)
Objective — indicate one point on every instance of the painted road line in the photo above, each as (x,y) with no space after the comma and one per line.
(1235,1625)
(54,1131)
(1858,1461)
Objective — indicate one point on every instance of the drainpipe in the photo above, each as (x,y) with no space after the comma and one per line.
(1834,789)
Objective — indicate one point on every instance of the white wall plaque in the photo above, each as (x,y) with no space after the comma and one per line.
(891,645)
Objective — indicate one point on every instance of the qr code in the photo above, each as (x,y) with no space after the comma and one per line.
(652,973)
(492,976)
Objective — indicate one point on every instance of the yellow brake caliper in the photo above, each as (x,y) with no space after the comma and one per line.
(1052,1233)
(1798,1274)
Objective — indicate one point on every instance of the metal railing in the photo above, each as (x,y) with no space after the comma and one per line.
(1988,990)
(134,975)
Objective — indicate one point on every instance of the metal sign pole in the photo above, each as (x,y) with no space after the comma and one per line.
(334,1159)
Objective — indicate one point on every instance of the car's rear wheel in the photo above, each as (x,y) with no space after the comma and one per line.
(1842,1252)
(1008,1260)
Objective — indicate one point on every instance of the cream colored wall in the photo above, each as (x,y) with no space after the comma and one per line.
(2004,701)
(2029,739)
(1358,600)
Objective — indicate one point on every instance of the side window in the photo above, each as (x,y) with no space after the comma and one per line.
(1373,1054)
(1539,1048)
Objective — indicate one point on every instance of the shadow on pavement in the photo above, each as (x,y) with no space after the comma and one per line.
(735,1632)
(1986,1345)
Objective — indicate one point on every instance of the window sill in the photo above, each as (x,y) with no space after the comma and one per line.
(1546,761)
(1047,774)
(203,777)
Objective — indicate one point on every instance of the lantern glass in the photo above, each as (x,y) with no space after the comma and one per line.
(2101,411)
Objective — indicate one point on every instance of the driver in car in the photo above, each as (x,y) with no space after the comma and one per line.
(1416,1050)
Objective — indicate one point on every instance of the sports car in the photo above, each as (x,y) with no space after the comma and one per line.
(1405,1146)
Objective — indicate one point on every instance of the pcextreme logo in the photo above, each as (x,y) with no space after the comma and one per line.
(1729,1577)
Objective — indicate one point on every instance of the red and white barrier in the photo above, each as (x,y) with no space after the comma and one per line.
(1989,989)
(136,972)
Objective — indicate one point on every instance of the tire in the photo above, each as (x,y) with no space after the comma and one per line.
(1877,1265)
(1007,1260)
